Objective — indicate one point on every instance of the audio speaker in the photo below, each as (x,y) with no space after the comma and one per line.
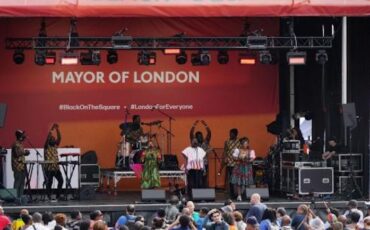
(153,195)
(349,115)
(9,195)
(2,114)
(316,180)
(206,194)
(263,192)
(87,192)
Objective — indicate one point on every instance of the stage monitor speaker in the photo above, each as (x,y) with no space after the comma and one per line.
(8,195)
(316,180)
(263,192)
(2,114)
(349,115)
(87,192)
(89,157)
(153,195)
(203,194)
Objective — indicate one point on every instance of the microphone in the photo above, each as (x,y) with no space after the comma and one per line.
(127,111)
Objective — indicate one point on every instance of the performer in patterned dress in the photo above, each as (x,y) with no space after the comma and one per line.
(229,161)
(51,155)
(242,175)
(150,176)
(18,162)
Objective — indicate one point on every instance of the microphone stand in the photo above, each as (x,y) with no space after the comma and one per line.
(169,132)
(169,135)
(38,154)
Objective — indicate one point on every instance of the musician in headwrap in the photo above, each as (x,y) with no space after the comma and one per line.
(51,156)
(19,162)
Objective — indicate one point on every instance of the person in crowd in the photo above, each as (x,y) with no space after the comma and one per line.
(52,169)
(75,221)
(342,219)
(229,206)
(95,216)
(285,222)
(172,210)
(18,223)
(280,212)
(337,226)
(367,222)
(257,208)
(242,175)
(4,220)
(214,221)
(128,217)
(299,221)
(85,225)
(150,176)
(269,220)
(333,149)
(100,225)
(161,213)
(194,165)
(202,216)
(19,162)
(61,220)
(252,223)
(27,220)
(195,215)
(37,222)
(229,147)
(240,224)
(183,222)
(353,220)
(352,206)
(158,223)
(228,217)
(48,220)
(204,143)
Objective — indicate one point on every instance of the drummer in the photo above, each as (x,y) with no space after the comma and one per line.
(135,132)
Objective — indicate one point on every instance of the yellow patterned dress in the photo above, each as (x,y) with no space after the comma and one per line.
(150,175)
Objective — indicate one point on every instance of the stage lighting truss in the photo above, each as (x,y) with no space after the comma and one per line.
(160,43)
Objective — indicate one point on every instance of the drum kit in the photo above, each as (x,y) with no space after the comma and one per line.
(129,153)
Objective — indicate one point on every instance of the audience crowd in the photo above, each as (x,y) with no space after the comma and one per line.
(182,215)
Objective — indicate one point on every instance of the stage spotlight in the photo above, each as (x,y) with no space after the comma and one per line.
(146,58)
(181,58)
(201,58)
(50,58)
(112,57)
(321,57)
(296,57)
(90,58)
(40,57)
(265,57)
(69,58)
(18,57)
(223,57)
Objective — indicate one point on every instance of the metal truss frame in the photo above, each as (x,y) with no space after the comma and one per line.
(160,43)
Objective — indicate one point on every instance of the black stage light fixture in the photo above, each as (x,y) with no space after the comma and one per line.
(321,57)
(90,58)
(40,56)
(181,58)
(18,57)
(223,57)
(146,58)
(265,57)
(200,58)
(112,56)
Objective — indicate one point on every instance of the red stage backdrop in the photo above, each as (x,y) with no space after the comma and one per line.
(88,101)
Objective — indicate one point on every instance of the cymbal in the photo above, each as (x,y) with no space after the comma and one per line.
(152,123)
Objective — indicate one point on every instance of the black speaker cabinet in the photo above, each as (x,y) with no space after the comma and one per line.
(90,174)
(316,180)
(203,194)
(263,192)
(153,195)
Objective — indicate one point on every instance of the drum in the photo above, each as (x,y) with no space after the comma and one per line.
(135,156)
(124,149)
